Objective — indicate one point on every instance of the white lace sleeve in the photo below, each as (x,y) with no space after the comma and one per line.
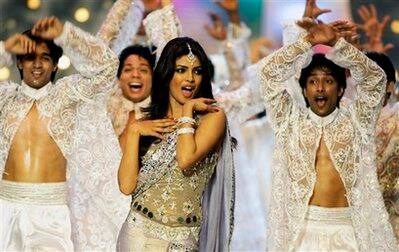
(236,52)
(129,27)
(112,23)
(238,43)
(275,69)
(245,101)
(161,26)
(90,56)
(292,32)
(5,57)
(370,79)
(97,206)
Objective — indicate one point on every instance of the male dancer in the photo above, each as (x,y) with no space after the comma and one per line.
(325,193)
(37,122)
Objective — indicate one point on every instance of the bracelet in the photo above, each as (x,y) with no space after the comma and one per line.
(186,119)
(186,130)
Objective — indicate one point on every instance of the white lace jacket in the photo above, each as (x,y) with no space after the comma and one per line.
(387,141)
(161,26)
(94,198)
(349,136)
(96,65)
(100,207)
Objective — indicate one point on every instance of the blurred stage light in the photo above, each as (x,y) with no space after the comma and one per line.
(4,73)
(82,14)
(395,26)
(64,62)
(11,24)
(33,4)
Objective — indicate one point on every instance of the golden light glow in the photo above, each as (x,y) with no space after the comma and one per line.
(82,15)
(64,62)
(33,4)
(395,26)
(4,73)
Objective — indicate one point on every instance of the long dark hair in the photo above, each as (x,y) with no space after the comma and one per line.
(165,70)
(163,74)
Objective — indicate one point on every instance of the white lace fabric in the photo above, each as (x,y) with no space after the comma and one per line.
(387,141)
(349,136)
(97,152)
(121,24)
(94,200)
(96,65)
(119,108)
(245,101)
(34,193)
(161,26)
(110,28)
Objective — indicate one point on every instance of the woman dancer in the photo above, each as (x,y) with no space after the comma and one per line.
(176,189)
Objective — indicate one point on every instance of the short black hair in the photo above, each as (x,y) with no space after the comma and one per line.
(55,51)
(319,60)
(385,63)
(142,51)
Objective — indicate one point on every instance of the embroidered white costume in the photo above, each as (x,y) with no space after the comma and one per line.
(387,141)
(97,149)
(93,196)
(349,136)
(160,25)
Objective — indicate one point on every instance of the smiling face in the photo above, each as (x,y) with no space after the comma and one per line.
(186,80)
(322,91)
(37,67)
(136,78)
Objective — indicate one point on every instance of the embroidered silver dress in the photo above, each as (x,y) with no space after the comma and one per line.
(349,136)
(170,208)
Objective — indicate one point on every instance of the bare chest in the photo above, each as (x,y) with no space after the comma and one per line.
(33,154)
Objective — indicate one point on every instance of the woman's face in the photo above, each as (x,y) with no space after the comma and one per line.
(186,79)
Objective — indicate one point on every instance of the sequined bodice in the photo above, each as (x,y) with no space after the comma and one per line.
(175,199)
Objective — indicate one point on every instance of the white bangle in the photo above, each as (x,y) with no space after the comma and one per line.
(186,119)
(185,131)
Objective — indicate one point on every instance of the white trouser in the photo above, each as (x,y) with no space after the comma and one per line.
(34,217)
(327,229)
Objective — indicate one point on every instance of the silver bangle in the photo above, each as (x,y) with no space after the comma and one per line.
(186,119)
(186,130)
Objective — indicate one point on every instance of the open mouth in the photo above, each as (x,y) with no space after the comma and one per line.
(135,86)
(37,73)
(320,101)
(187,91)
